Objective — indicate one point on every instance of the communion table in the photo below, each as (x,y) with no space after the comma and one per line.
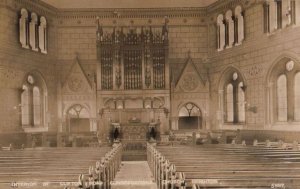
(134,139)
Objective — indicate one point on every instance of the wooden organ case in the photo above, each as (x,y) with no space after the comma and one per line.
(133,58)
(133,81)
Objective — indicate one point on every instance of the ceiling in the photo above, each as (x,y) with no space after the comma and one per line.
(65,4)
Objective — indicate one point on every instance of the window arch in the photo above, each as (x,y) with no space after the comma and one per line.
(279,14)
(78,119)
(25,105)
(241,103)
(297,96)
(281,87)
(239,25)
(285,91)
(234,98)
(33,32)
(33,101)
(229,29)
(292,12)
(188,110)
(36,105)
(24,29)
(43,35)
(229,103)
(78,111)
(220,32)
(190,117)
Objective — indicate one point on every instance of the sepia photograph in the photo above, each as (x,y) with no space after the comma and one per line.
(150,94)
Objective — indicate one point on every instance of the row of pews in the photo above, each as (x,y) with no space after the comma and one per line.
(276,144)
(164,172)
(104,172)
(59,168)
(263,165)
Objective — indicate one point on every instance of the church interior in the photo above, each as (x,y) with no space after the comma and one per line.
(157,94)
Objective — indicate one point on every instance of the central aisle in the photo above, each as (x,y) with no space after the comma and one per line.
(134,175)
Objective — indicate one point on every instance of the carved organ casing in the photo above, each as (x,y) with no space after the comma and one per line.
(132,58)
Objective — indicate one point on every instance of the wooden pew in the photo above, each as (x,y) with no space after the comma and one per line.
(50,166)
(165,174)
(105,170)
(234,170)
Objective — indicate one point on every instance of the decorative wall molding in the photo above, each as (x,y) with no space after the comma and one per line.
(130,102)
(180,96)
(72,97)
(10,77)
(223,6)
(254,71)
(189,77)
(131,13)
(38,6)
(77,81)
(76,84)
(190,82)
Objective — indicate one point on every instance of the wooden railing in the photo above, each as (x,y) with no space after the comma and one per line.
(269,164)
(104,171)
(163,171)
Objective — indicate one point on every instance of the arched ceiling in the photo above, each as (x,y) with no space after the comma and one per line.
(70,4)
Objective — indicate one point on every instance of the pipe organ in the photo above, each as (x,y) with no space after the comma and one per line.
(132,58)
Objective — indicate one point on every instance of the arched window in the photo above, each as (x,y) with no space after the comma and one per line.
(297,96)
(33,101)
(25,105)
(36,106)
(43,35)
(33,32)
(266,17)
(270,16)
(229,103)
(285,91)
(220,32)
(292,12)
(234,99)
(239,25)
(279,14)
(241,102)
(24,29)
(282,98)
(229,29)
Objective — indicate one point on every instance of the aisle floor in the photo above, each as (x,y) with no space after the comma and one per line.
(134,175)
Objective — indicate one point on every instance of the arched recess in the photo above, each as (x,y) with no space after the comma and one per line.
(33,34)
(282,97)
(42,31)
(189,117)
(34,101)
(78,119)
(239,25)
(24,28)
(232,97)
(220,32)
(229,29)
